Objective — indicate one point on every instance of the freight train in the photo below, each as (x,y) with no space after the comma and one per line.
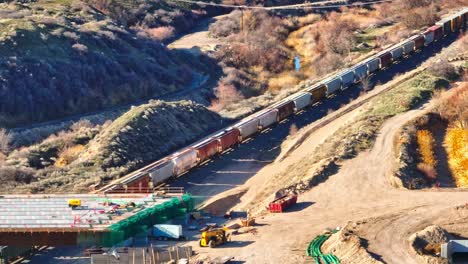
(182,161)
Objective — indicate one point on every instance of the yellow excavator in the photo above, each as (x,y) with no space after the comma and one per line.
(214,236)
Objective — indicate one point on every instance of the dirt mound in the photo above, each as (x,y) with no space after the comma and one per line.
(427,243)
(150,131)
(221,205)
(348,247)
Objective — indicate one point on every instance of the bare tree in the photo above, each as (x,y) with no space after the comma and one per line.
(365,84)
(5,140)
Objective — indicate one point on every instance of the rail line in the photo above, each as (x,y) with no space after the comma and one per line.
(185,159)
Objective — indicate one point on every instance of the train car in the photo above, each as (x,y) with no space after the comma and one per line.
(428,37)
(408,47)
(333,84)
(397,52)
(445,25)
(184,161)
(207,149)
(229,138)
(267,118)
(318,92)
(162,171)
(418,41)
(438,32)
(247,128)
(360,72)
(455,22)
(373,64)
(385,59)
(285,109)
(138,185)
(301,101)
(347,79)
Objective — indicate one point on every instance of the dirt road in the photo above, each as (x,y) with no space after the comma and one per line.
(361,190)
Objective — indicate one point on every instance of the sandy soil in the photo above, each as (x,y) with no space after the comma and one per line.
(360,190)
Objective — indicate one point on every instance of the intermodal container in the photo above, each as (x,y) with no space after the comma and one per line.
(438,31)
(360,72)
(285,109)
(247,128)
(281,204)
(184,161)
(445,25)
(333,85)
(267,118)
(207,149)
(385,59)
(397,53)
(347,79)
(408,47)
(162,171)
(318,92)
(428,37)
(373,64)
(418,41)
(229,138)
(301,101)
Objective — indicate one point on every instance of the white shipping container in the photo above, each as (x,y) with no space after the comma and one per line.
(301,101)
(267,118)
(397,53)
(408,47)
(184,161)
(162,172)
(428,37)
(347,78)
(373,64)
(333,85)
(247,127)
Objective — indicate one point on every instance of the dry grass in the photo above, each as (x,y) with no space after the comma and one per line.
(426,142)
(456,142)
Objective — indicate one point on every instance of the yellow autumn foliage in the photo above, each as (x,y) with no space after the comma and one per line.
(456,142)
(68,155)
(426,147)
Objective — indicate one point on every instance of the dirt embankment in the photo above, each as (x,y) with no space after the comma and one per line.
(143,134)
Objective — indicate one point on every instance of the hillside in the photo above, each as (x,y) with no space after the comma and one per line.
(59,58)
(84,155)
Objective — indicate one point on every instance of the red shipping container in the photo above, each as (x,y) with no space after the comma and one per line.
(207,149)
(385,60)
(285,110)
(438,32)
(419,42)
(280,204)
(229,139)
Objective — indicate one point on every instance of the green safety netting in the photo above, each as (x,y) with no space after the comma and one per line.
(144,219)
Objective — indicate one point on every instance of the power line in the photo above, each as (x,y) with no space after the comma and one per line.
(285,7)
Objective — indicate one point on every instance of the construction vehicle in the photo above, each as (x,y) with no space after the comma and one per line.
(214,236)
(74,203)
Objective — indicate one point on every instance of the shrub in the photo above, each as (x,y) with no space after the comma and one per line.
(443,69)
(225,95)
(425,145)
(453,106)
(161,33)
(226,26)
(456,141)
(68,155)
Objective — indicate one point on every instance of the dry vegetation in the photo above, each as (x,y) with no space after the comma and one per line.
(258,53)
(59,58)
(426,150)
(87,154)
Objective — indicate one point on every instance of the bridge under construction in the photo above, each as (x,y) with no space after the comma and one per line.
(29,220)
